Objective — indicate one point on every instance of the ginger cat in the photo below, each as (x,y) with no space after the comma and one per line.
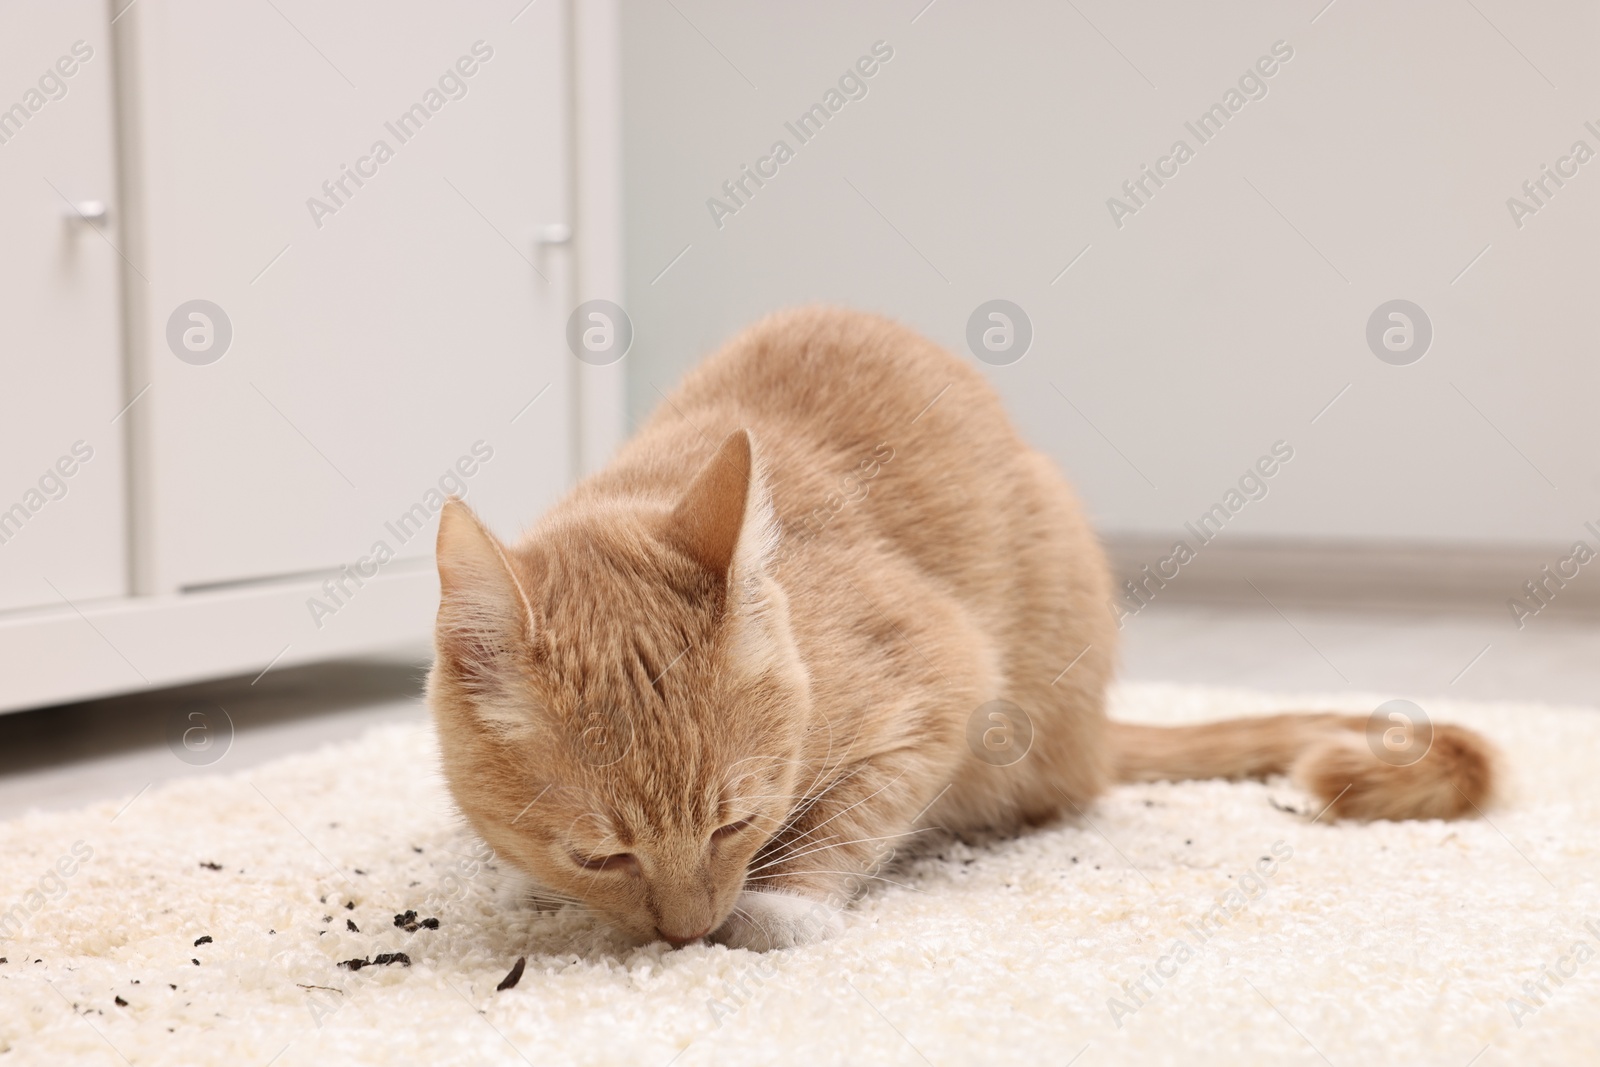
(705,692)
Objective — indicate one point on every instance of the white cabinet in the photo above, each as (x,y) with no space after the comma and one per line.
(62,512)
(347,243)
(359,193)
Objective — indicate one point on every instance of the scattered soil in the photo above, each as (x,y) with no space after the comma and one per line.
(510,981)
(382,959)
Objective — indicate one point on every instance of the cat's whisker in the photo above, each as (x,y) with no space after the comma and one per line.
(785,857)
(830,842)
(826,769)
(812,801)
(852,807)
(790,857)
(848,874)
(822,765)
(579,912)
(840,844)
(752,920)
(554,903)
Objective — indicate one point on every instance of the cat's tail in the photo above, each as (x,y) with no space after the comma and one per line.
(1360,768)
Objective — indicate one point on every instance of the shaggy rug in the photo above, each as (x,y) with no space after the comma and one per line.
(214,920)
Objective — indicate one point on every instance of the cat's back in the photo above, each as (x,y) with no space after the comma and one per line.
(834,371)
(830,393)
(844,405)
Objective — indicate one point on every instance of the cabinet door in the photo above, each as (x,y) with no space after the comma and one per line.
(348,316)
(62,532)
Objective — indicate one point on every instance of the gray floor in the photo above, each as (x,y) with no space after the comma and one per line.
(67,756)
(1462,656)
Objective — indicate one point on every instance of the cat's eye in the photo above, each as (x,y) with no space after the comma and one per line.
(616,862)
(730,829)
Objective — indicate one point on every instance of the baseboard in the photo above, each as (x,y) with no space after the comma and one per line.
(1356,574)
(95,649)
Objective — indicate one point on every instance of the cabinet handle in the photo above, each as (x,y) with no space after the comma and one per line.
(87,211)
(553,233)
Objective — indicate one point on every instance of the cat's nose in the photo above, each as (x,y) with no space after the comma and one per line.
(678,942)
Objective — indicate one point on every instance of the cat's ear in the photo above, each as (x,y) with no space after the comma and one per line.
(724,520)
(485,619)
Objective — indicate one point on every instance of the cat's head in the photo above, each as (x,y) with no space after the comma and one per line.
(619,698)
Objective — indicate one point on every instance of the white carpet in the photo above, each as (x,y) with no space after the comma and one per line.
(1389,943)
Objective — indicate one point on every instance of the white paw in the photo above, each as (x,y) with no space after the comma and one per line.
(766,920)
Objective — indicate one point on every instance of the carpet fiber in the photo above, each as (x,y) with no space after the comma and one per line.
(205,922)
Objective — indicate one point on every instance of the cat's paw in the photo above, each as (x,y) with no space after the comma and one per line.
(767,920)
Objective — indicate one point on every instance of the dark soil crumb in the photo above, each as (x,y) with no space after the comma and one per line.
(350,924)
(4,960)
(349,905)
(171,986)
(327,918)
(382,959)
(408,921)
(417,850)
(211,866)
(510,981)
(195,962)
(1188,841)
(205,940)
(120,1002)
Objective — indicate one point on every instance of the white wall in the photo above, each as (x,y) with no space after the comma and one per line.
(1228,311)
